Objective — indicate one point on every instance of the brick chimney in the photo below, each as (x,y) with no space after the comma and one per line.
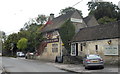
(51,16)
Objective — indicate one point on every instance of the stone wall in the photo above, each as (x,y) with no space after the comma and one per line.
(48,54)
(90,48)
(72,59)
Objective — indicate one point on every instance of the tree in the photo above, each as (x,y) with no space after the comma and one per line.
(22,43)
(105,20)
(32,33)
(101,9)
(68,9)
(67,32)
(7,48)
(41,19)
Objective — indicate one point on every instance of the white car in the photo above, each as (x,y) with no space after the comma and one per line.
(20,54)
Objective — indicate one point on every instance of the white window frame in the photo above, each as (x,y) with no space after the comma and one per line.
(54,48)
(73,54)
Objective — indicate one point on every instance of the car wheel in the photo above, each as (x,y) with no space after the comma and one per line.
(102,67)
(86,67)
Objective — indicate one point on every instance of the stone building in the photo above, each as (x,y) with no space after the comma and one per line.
(53,46)
(101,39)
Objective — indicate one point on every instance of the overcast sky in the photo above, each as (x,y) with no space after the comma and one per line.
(14,13)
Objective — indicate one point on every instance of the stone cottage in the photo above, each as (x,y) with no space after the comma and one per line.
(101,39)
(53,46)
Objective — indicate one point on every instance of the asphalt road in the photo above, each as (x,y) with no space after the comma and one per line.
(18,65)
(24,65)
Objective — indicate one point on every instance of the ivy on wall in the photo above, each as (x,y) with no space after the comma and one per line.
(67,32)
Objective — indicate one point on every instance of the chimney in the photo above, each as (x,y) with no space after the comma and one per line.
(51,16)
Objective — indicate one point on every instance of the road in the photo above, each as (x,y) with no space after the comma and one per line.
(80,68)
(24,65)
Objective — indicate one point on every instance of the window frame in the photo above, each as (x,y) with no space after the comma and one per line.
(73,53)
(54,48)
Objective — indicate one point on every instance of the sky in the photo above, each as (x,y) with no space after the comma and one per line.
(15,13)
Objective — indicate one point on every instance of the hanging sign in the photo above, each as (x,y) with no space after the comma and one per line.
(52,40)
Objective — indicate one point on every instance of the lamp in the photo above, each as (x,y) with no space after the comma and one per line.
(84,44)
(109,42)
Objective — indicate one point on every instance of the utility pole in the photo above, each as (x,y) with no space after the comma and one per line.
(12,46)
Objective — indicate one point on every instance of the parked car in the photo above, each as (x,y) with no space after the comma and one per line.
(93,60)
(20,54)
(28,55)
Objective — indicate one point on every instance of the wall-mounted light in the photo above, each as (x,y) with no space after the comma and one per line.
(62,44)
(109,42)
(84,44)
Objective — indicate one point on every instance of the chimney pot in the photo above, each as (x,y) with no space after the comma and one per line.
(51,16)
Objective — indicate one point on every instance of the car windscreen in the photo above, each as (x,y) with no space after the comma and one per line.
(93,57)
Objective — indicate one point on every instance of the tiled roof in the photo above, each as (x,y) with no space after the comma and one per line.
(99,32)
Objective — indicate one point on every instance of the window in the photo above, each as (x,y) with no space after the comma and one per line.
(96,47)
(54,47)
(76,49)
(81,47)
(55,33)
(73,50)
(93,56)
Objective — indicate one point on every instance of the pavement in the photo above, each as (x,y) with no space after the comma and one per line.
(79,68)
